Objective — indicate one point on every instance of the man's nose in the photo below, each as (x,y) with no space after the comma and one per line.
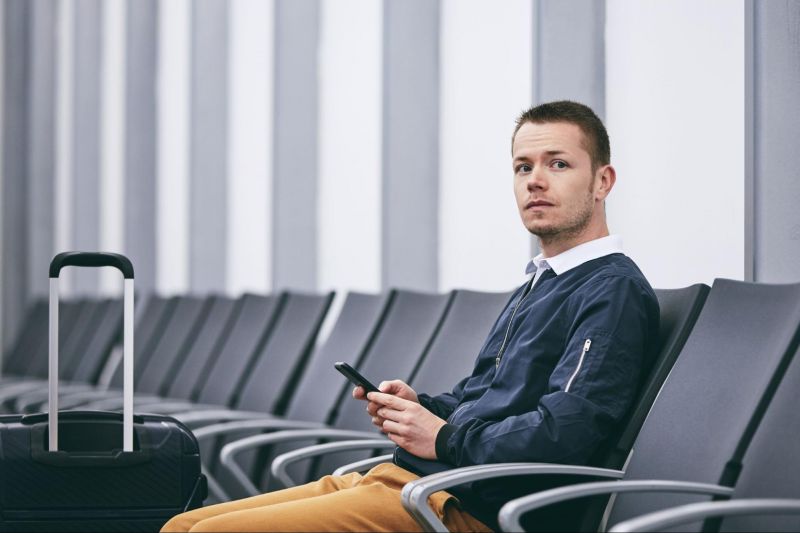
(537,180)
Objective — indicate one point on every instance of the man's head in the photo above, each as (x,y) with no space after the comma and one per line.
(595,135)
(562,174)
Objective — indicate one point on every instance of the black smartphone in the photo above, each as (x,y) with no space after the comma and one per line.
(354,377)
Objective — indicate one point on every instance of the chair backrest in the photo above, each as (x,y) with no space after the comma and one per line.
(403,339)
(173,344)
(268,383)
(76,320)
(204,348)
(146,333)
(771,465)
(34,327)
(680,309)
(87,367)
(358,320)
(253,326)
(396,351)
(713,400)
(452,354)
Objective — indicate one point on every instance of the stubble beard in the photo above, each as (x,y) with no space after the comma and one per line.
(570,228)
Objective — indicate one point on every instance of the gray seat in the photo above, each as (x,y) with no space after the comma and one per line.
(83,355)
(170,344)
(34,327)
(393,351)
(706,413)
(767,491)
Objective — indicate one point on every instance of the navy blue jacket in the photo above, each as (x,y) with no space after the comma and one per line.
(571,361)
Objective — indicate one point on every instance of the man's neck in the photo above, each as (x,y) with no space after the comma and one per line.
(551,248)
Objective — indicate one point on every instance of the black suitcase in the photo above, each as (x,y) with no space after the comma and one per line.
(98,471)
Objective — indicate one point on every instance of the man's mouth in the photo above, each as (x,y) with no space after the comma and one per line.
(538,203)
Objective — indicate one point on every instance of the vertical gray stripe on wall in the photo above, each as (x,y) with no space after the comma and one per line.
(410,233)
(140,140)
(86,138)
(776,110)
(295,167)
(749,141)
(569,55)
(569,58)
(15,184)
(41,145)
(208,145)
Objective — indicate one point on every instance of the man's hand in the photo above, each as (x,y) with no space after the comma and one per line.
(395,387)
(408,424)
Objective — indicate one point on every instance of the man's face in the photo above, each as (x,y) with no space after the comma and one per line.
(553,180)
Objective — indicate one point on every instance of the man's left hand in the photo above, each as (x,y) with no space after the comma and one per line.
(408,424)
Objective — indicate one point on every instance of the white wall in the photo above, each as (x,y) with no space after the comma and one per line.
(173,146)
(675,115)
(250,89)
(486,62)
(350,100)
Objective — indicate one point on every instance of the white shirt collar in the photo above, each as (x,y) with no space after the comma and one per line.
(578,255)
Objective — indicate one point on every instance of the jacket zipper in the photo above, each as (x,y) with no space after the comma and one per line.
(508,329)
(586,346)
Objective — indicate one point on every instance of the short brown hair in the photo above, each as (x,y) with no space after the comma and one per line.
(594,132)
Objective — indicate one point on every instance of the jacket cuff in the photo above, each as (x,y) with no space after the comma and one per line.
(441,442)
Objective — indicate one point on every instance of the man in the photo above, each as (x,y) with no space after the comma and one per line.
(558,372)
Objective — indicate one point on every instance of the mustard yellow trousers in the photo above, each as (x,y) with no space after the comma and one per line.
(334,503)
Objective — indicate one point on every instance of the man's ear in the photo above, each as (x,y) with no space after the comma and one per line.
(605,180)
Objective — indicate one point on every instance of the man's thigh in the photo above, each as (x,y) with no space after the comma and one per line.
(371,507)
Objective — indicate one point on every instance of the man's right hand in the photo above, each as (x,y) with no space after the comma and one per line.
(394,387)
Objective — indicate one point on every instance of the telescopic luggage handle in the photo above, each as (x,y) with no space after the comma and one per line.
(92,259)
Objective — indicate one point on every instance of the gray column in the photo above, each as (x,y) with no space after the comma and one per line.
(86,138)
(569,52)
(294,238)
(41,145)
(16,62)
(569,55)
(208,145)
(775,99)
(410,233)
(141,140)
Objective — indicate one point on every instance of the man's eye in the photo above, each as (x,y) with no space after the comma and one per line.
(525,168)
(559,164)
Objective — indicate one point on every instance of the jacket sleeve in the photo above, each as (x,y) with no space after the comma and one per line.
(590,390)
(443,405)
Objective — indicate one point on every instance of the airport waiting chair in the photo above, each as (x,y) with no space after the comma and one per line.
(394,350)
(75,332)
(766,495)
(450,358)
(86,354)
(32,329)
(699,426)
(231,335)
(279,371)
(680,309)
(170,345)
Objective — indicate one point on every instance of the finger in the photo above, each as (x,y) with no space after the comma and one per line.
(359,393)
(390,414)
(372,408)
(389,387)
(388,400)
(394,428)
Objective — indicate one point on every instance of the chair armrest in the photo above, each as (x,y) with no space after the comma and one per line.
(229,451)
(11,390)
(252,424)
(511,512)
(204,417)
(415,493)
(683,514)
(363,465)
(282,462)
